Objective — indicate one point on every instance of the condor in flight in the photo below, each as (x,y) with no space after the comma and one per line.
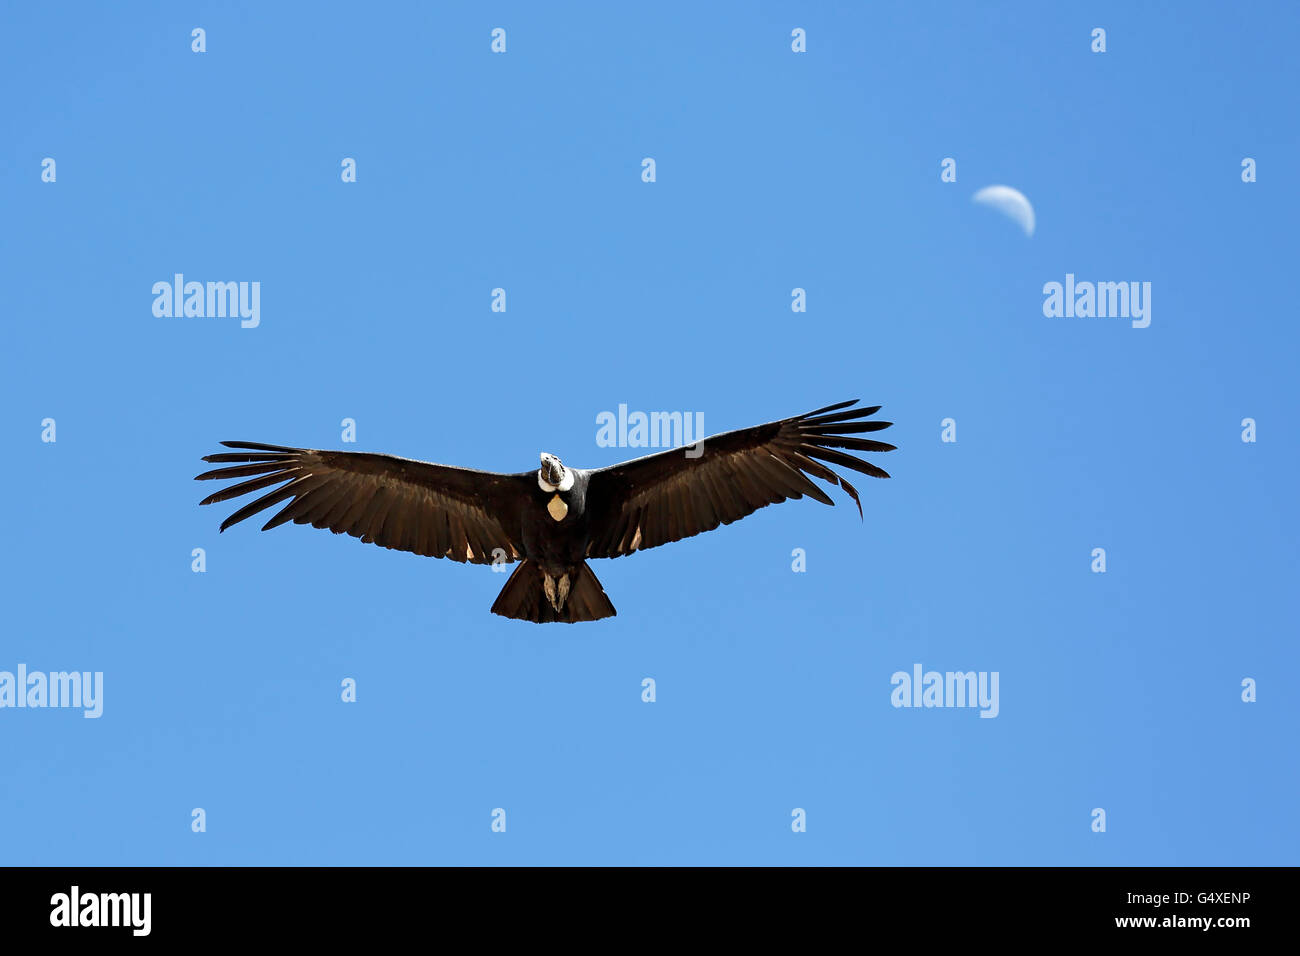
(556,518)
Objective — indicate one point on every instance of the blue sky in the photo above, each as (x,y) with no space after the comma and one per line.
(775,170)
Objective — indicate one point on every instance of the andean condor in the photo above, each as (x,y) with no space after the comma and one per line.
(555,518)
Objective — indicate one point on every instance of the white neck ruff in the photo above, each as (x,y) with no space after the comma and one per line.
(565,483)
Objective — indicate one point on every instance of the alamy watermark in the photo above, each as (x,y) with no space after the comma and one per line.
(946,689)
(1101,300)
(84,689)
(75,908)
(653,430)
(212,300)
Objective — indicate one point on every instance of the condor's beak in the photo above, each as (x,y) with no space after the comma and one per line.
(552,470)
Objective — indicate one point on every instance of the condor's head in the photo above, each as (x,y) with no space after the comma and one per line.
(553,476)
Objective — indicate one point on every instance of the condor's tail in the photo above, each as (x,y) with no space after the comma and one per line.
(532,595)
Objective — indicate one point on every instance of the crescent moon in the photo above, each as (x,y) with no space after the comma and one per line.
(1010,202)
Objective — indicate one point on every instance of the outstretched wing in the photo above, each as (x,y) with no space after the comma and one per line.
(669,496)
(434,510)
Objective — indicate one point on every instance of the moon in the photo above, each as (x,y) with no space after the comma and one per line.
(1010,202)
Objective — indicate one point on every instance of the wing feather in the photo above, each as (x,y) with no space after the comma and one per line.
(669,496)
(398,503)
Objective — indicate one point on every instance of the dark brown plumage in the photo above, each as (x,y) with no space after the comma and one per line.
(665,497)
(555,526)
